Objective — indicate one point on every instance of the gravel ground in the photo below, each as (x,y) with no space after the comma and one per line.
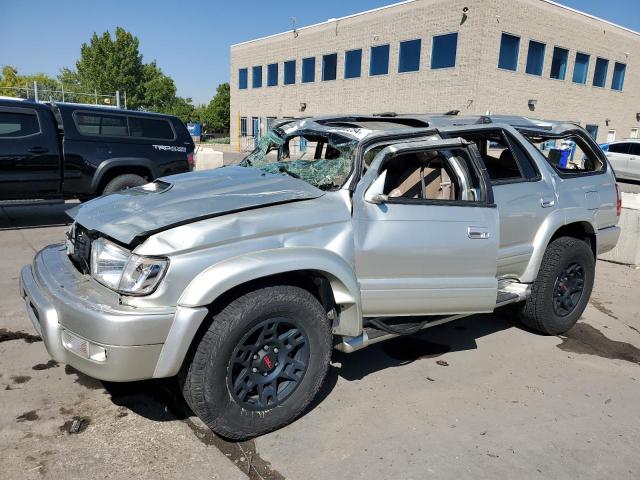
(478,398)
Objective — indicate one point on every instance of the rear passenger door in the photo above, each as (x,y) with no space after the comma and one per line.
(426,232)
(29,154)
(524,198)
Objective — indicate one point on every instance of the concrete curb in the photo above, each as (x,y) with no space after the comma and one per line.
(627,251)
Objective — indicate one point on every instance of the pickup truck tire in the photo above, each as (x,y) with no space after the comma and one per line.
(122,182)
(260,362)
(562,289)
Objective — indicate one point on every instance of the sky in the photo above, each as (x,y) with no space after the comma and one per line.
(189,39)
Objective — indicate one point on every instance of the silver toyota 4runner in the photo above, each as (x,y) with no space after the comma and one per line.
(334,232)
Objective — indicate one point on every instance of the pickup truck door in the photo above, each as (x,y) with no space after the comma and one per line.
(29,154)
(430,253)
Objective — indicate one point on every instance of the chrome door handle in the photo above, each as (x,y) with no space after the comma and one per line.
(547,203)
(478,233)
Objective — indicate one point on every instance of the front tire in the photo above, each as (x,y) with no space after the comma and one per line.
(260,363)
(562,289)
(123,182)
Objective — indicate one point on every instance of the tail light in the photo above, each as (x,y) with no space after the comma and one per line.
(190,160)
(618,201)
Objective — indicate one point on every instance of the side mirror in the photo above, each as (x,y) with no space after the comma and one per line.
(375,193)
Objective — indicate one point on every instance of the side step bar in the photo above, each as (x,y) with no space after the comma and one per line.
(511,292)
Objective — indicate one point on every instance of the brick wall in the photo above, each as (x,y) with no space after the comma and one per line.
(474,86)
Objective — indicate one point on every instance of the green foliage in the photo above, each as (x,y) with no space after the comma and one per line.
(113,62)
(215,115)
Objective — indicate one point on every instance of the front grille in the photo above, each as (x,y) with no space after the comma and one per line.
(81,241)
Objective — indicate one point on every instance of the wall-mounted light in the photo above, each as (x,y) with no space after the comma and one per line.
(303,106)
(532,104)
(638,117)
(606,121)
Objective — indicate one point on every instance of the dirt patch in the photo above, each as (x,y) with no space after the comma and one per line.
(602,308)
(585,339)
(7,335)
(413,348)
(242,454)
(20,378)
(45,366)
(29,416)
(83,379)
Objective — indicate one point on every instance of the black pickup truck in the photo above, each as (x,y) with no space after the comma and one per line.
(60,150)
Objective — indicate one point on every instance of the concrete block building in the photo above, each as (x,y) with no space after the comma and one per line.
(524,57)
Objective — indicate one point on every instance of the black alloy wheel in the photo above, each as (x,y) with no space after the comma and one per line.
(568,289)
(268,364)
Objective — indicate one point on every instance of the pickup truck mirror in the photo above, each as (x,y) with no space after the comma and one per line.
(375,193)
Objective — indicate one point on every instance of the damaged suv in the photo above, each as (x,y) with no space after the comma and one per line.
(335,232)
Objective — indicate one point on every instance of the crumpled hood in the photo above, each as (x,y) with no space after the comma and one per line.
(186,198)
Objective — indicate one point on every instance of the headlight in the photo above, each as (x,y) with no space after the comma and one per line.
(127,273)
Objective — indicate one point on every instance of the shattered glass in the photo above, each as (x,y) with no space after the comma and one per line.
(324,160)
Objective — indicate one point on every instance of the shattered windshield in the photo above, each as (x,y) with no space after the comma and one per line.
(324,160)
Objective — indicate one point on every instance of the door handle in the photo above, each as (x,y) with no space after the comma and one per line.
(37,150)
(547,202)
(478,233)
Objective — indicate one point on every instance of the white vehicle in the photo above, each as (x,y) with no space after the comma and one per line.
(624,157)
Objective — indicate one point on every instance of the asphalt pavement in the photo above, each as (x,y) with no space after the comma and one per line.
(478,398)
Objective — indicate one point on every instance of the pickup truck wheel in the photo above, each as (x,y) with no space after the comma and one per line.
(563,287)
(260,363)
(122,182)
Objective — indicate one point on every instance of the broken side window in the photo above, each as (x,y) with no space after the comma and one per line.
(567,154)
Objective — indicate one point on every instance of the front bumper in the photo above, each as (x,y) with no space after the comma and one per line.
(127,343)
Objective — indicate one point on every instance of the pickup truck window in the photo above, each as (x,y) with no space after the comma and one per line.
(150,128)
(101,124)
(15,125)
(324,161)
(568,154)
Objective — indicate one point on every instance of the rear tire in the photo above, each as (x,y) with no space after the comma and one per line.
(562,289)
(230,384)
(122,182)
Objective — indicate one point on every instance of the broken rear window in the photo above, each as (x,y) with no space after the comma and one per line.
(567,154)
(323,160)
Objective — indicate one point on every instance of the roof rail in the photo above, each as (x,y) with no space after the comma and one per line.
(385,114)
(452,112)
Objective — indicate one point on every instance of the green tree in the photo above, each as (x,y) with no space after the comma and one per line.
(108,64)
(215,116)
(11,78)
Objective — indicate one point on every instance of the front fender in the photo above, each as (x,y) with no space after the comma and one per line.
(217,279)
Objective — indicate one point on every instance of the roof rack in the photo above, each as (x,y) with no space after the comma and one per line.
(385,114)
(452,112)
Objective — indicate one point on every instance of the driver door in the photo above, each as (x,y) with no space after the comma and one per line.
(426,232)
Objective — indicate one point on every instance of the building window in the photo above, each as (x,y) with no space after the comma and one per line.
(329,66)
(270,121)
(509,47)
(633,133)
(559,63)
(353,63)
(600,72)
(242,78)
(581,68)
(256,74)
(535,58)
(617,82)
(611,136)
(308,70)
(290,72)
(409,58)
(379,60)
(243,126)
(592,130)
(272,75)
(443,50)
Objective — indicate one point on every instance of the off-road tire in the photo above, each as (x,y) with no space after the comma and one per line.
(203,377)
(122,182)
(538,312)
